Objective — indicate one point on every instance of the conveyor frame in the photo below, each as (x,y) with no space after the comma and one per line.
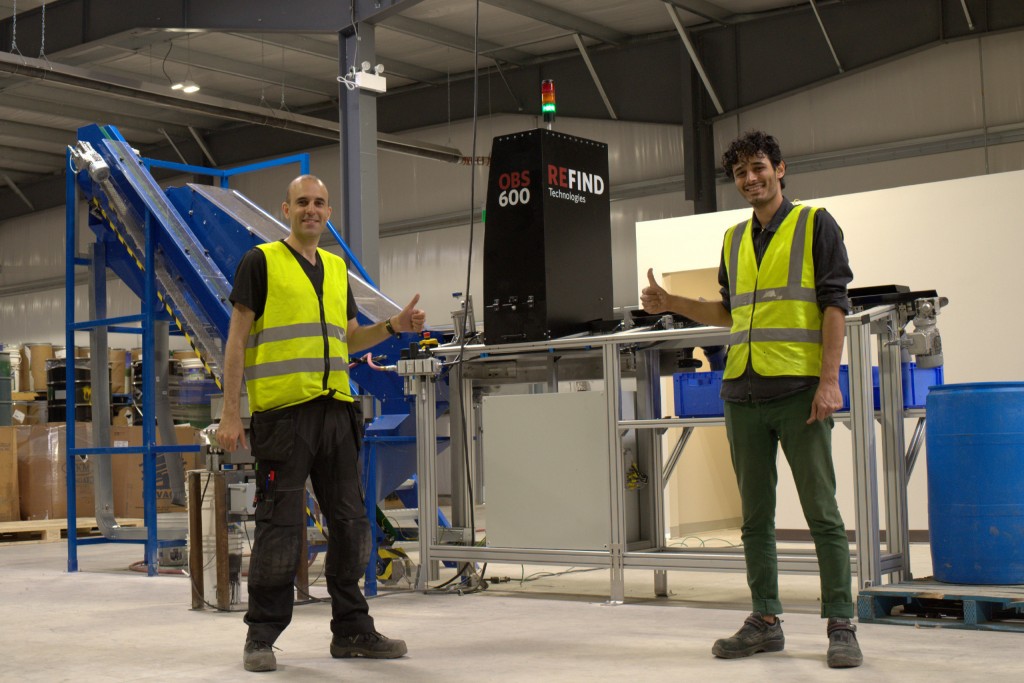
(871,563)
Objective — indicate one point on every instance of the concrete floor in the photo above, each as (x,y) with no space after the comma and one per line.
(107,623)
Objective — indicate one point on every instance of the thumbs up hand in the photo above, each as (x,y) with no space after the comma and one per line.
(654,298)
(411,319)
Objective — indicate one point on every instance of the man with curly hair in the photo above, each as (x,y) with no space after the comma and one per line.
(783,277)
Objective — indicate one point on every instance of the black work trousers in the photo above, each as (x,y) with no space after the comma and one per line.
(320,440)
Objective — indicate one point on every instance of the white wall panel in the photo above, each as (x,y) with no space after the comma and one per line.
(267,187)
(932,92)
(925,236)
(39,316)
(864,177)
(433,264)
(1003,60)
(32,247)
(1002,158)
(625,215)
(412,187)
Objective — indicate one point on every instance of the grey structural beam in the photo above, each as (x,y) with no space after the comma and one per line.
(556,17)
(593,75)
(215,108)
(318,48)
(690,50)
(456,40)
(29,161)
(35,135)
(73,22)
(122,88)
(83,110)
(824,32)
(194,59)
(17,190)
(357,114)
(357,110)
(705,10)
(202,146)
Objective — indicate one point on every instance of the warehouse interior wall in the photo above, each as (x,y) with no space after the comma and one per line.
(963,102)
(425,204)
(955,111)
(952,111)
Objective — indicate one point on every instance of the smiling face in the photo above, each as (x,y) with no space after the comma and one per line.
(758,181)
(307,209)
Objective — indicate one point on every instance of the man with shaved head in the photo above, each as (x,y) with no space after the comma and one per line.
(292,328)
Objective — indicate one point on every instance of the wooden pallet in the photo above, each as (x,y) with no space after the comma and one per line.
(926,602)
(50,530)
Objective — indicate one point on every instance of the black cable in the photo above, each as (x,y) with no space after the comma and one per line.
(469,270)
(163,64)
(458,363)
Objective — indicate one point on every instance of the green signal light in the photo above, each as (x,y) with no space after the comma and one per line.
(548,108)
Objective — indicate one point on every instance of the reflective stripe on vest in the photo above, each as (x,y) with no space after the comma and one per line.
(776,321)
(298,350)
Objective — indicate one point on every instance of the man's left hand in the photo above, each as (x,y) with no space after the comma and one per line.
(827,400)
(411,319)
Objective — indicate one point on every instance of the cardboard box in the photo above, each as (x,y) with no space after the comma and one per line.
(42,471)
(9,499)
(28,413)
(127,471)
(33,366)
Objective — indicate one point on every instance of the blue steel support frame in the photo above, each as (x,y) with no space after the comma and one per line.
(70,248)
(148,316)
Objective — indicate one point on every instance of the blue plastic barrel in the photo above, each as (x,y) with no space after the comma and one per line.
(976,482)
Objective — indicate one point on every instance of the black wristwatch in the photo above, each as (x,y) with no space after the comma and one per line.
(391,330)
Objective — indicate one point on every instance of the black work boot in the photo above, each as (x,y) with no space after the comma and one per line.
(258,655)
(756,635)
(843,650)
(370,644)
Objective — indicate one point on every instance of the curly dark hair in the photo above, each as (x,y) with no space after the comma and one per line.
(751,144)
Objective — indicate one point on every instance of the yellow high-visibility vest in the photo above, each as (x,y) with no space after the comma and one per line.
(776,321)
(298,349)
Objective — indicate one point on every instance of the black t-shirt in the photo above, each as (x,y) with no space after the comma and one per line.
(250,287)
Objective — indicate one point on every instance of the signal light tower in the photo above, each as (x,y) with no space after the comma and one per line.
(547,101)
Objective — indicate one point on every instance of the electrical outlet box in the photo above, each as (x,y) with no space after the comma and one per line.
(371,81)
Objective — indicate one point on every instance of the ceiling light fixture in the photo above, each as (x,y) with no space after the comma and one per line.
(187,86)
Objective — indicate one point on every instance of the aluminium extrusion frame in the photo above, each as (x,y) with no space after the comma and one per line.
(882,322)
(869,563)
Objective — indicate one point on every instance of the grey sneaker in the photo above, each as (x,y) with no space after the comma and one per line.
(370,644)
(843,650)
(756,635)
(258,655)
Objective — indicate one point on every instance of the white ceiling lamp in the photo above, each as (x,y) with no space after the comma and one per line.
(187,86)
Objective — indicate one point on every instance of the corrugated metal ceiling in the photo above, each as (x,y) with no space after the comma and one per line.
(426,49)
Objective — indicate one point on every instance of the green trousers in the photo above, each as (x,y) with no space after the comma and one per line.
(755,432)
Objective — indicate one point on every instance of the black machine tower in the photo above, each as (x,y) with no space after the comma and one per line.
(547,244)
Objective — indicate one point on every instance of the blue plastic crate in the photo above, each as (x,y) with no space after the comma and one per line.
(698,394)
(917,381)
(844,386)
